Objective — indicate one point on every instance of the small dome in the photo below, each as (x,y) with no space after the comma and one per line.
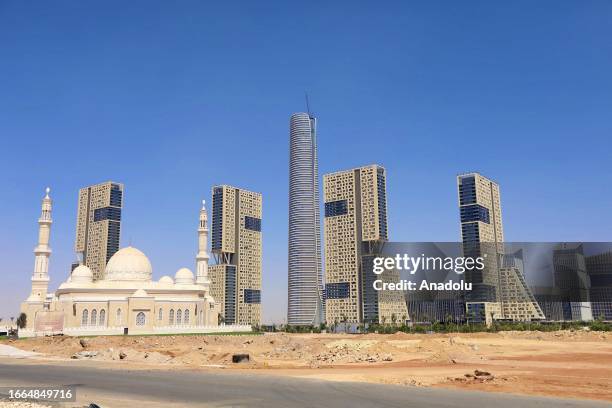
(166,279)
(184,277)
(128,264)
(140,293)
(81,274)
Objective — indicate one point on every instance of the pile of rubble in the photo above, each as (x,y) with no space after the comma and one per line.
(479,376)
(347,354)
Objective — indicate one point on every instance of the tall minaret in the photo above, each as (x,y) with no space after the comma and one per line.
(202,257)
(42,252)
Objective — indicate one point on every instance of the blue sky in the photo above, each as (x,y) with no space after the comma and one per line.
(171,98)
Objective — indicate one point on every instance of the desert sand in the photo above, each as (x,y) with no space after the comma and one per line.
(572,364)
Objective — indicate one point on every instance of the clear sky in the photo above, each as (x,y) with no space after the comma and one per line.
(171,98)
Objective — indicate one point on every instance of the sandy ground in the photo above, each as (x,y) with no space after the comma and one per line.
(576,364)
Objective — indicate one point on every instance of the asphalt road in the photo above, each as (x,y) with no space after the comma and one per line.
(166,388)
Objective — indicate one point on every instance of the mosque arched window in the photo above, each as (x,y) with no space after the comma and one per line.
(118,317)
(85,318)
(160,314)
(171,317)
(186,319)
(179,317)
(102,317)
(94,317)
(140,319)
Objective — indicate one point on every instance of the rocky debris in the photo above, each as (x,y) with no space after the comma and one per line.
(478,376)
(122,355)
(346,354)
(240,358)
(84,343)
(84,354)
(474,347)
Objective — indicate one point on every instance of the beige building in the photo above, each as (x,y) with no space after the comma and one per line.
(98,225)
(499,291)
(517,301)
(126,301)
(235,279)
(355,229)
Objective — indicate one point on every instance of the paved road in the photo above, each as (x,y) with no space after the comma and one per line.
(165,388)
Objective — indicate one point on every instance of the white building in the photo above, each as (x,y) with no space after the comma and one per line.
(126,300)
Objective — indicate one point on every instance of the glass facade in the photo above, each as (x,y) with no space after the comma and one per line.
(116,195)
(369,294)
(217,219)
(114,232)
(107,213)
(467,190)
(382,204)
(335,208)
(252,223)
(252,296)
(230,294)
(475,212)
(338,290)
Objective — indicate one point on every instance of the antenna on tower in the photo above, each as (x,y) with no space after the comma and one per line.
(307,103)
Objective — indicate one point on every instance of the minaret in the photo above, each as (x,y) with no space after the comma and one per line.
(202,257)
(42,252)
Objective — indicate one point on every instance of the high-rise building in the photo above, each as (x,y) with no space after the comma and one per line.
(499,290)
(99,225)
(305,302)
(235,279)
(355,230)
(481,232)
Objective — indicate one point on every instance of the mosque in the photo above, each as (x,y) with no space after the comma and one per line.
(126,300)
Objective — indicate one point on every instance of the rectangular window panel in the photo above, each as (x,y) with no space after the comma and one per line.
(467,190)
(252,223)
(335,208)
(107,213)
(252,296)
(338,290)
(475,212)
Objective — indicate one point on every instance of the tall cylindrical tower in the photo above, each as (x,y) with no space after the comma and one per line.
(305,303)
(42,252)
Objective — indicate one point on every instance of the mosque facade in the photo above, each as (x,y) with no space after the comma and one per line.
(126,300)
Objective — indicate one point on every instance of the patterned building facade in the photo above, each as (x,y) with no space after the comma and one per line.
(99,225)
(235,279)
(499,291)
(355,229)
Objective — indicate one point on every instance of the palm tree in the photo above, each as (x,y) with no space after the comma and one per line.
(22,321)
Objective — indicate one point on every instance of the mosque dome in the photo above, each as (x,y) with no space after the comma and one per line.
(81,274)
(184,277)
(166,279)
(128,264)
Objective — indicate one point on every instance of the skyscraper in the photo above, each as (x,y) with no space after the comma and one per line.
(499,290)
(305,303)
(481,232)
(355,230)
(99,225)
(235,279)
